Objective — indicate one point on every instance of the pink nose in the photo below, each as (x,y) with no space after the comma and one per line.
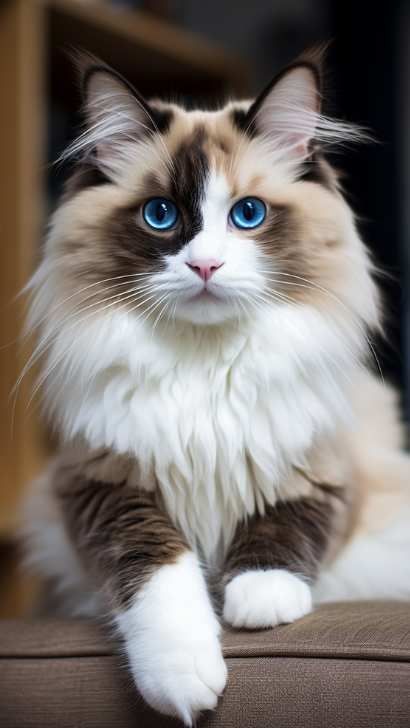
(205,268)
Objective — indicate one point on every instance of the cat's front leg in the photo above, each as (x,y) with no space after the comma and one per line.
(172,641)
(159,598)
(274,558)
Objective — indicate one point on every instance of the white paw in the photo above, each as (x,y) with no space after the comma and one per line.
(258,599)
(180,678)
(171,636)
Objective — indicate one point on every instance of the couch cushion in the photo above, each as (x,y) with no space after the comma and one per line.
(344,665)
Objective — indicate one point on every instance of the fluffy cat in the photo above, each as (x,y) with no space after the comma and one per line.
(204,304)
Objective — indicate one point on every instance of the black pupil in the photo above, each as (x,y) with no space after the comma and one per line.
(248,210)
(161,211)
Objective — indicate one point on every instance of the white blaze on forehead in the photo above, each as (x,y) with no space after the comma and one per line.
(214,211)
(216,198)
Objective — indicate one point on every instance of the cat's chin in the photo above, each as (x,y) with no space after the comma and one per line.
(204,311)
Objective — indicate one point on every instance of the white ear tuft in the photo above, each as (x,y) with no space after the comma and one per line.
(115,116)
(289,111)
(288,114)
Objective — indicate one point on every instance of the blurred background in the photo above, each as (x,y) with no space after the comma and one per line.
(201,52)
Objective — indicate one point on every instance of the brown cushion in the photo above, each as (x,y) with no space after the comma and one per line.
(345,665)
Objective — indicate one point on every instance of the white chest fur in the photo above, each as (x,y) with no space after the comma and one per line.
(215,419)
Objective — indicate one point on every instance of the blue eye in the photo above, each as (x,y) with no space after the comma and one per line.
(160,213)
(248,213)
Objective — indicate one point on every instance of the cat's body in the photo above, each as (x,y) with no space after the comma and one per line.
(208,380)
(367,463)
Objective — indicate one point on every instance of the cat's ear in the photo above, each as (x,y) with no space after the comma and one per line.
(115,114)
(288,111)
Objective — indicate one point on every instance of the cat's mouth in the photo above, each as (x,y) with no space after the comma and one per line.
(205,296)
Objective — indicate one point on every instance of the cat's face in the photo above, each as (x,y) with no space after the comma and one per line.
(205,216)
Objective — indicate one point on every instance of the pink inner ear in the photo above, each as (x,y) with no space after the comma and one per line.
(302,149)
(298,146)
(290,113)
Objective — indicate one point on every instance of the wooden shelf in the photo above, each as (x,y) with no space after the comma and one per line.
(21,194)
(145,47)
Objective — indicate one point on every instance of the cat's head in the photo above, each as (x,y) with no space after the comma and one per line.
(206,216)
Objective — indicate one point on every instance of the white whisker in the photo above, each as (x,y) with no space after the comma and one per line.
(308,284)
(78,322)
